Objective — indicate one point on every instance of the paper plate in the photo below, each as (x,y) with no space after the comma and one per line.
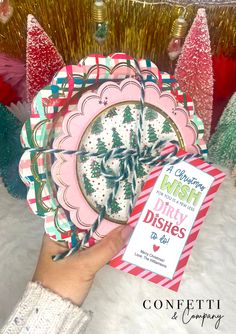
(104,120)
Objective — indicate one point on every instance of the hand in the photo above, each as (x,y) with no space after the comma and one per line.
(72,277)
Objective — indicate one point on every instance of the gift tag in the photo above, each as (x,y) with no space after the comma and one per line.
(167,218)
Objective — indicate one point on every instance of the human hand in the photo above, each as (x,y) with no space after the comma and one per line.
(72,277)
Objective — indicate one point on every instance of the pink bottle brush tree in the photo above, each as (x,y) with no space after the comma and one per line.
(42,58)
(194,70)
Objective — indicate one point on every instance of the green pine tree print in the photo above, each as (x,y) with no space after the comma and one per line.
(112,112)
(97,126)
(101,146)
(152,137)
(127,117)
(127,190)
(116,140)
(82,158)
(115,208)
(133,139)
(95,169)
(140,170)
(88,186)
(150,114)
(166,128)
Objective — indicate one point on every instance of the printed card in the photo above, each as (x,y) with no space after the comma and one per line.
(167,218)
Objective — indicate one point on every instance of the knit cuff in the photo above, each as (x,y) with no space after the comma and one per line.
(41,311)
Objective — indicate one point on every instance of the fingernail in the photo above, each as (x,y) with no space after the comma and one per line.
(126,232)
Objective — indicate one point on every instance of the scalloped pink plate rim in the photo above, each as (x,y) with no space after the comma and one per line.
(69,193)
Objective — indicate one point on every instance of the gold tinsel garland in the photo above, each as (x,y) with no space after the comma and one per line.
(141,31)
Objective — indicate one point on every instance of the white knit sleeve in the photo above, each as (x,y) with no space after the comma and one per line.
(40,311)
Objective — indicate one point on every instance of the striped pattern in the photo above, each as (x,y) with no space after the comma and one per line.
(174,283)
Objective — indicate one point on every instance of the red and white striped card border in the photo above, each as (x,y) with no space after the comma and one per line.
(174,283)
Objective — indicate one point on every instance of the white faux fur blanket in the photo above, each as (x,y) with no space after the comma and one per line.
(116,297)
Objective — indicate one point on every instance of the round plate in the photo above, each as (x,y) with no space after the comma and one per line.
(107,119)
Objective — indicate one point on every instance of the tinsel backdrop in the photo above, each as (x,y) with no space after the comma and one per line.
(141,30)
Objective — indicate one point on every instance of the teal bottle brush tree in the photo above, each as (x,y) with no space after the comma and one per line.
(10,153)
(222,145)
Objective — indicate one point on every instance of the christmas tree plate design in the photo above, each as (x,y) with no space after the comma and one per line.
(106,119)
(50,106)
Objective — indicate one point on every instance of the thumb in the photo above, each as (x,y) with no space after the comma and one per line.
(104,250)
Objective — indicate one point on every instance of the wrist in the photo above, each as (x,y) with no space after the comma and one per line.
(42,311)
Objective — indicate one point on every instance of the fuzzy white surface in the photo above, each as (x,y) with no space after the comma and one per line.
(116,297)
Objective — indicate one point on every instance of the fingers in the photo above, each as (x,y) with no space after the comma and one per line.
(93,258)
(104,250)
